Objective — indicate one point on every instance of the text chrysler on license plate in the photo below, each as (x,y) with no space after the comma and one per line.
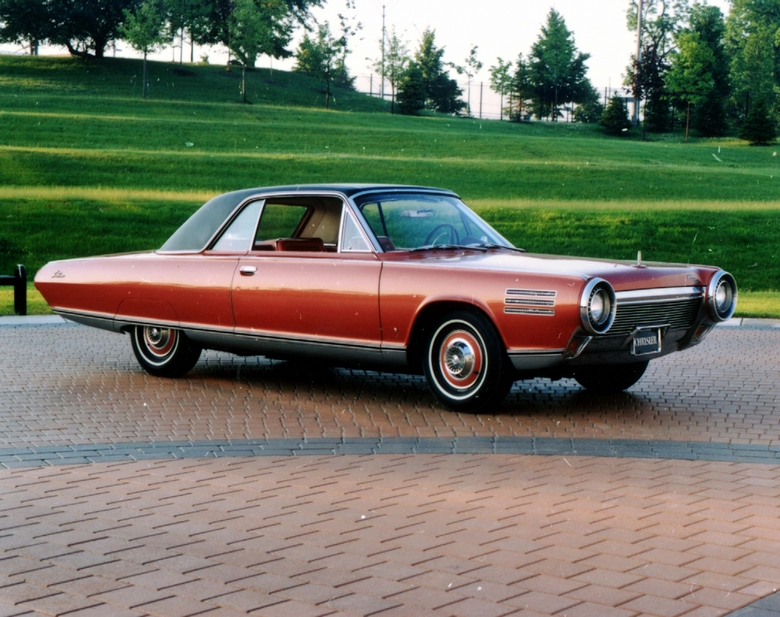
(646,342)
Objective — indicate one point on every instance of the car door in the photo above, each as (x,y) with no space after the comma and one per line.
(310,284)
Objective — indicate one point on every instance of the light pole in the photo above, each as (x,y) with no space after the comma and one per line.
(382,76)
(635,119)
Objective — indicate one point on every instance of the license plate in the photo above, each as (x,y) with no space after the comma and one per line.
(646,342)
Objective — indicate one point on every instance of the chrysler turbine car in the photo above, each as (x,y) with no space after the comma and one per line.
(385,277)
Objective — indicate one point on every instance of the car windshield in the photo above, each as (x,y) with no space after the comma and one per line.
(404,221)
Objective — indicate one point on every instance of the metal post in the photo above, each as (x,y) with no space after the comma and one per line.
(481,87)
(635,120)
(20,290)
(382,76)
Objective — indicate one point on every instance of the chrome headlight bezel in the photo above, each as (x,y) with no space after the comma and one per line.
(597,306)
(721,296)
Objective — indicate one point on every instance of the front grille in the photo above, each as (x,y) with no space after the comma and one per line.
(676,313)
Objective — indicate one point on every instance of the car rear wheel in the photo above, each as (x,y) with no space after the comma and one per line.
(164,352)
(466,366)
(609,378)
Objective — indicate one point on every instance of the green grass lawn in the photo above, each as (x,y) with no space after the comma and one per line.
(87,167)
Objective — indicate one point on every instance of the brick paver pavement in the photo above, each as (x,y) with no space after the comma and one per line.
(76,385)
(423,534)
(470,535)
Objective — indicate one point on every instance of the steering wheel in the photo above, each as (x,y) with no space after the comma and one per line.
(439,231)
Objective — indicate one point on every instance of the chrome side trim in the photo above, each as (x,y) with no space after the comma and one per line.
(665,294)
(103,321)
(531,359)
(294,339)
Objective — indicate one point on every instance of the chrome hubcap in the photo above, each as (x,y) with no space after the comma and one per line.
(155,336)
(459,359)
(159,341)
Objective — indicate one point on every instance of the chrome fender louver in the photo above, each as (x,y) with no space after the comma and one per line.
(530,302)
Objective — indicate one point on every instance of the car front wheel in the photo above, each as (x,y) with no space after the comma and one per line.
(609,378)
(465,364)
(164,352)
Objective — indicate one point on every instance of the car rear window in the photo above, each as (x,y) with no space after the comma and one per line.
(197,230)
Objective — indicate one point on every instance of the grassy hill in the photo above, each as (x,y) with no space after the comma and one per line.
(88,167)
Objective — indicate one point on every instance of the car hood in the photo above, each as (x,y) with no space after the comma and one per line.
(623,275)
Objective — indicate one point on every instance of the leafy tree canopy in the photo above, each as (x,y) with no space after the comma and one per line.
(557,70)
(24,21)
(441,93)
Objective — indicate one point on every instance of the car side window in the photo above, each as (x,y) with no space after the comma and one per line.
(353,240)
(238,236)
(280,221)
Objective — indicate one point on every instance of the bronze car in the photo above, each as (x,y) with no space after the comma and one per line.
(390,277)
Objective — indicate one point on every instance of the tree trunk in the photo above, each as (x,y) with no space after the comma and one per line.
(687,122)
(143,88)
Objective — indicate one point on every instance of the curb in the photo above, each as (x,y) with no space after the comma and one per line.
(84,454)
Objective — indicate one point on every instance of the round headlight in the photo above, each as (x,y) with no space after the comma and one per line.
(597,306)
(722,296)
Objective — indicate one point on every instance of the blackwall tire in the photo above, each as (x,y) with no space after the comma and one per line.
(465,363)
(164,352)
(610,378)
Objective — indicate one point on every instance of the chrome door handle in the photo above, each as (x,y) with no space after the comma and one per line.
(247,270)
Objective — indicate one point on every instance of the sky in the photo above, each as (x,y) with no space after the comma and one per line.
(499,28)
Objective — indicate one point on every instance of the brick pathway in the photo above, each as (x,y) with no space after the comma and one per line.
(395,534)
(74,385)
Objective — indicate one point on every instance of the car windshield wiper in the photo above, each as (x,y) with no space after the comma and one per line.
(493,245)
(450,247)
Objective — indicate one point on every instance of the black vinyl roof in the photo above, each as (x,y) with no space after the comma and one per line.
(203,224)
(348,189)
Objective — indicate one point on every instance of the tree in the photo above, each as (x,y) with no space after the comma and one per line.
(396,62)
(324,57)
(708,23)
(590,110)
(557,69)
(245,25)
(411,91)
(24,21)
(647,83)
(615,118)
(472,67)
(522,89)
(759,128)
(259,28)
(86,27)
(501,80)
(751,39)
(185,16)
(441,93)
(144,29)
(690,78)
(661,20)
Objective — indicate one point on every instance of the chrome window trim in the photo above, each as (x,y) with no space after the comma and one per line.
(347,212)
(265,196)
